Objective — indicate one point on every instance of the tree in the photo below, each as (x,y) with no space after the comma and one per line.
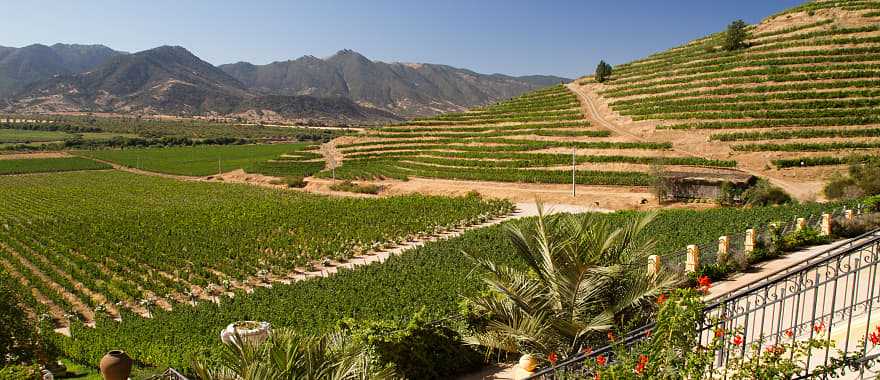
(863,180)
(603,71)
(735,37)
(583,277)
(288,356)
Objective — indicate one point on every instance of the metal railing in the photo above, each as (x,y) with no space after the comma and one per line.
(830,296)
(837,289)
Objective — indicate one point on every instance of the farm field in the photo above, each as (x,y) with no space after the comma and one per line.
(433,277)
(804,89)
(534,138)
(131,240)
(48,165)
(206,160)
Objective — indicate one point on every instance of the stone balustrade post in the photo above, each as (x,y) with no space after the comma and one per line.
(723,249)
(750,241)
(693,259)
(800,224)
(654,263)
(849,215)
(826,224)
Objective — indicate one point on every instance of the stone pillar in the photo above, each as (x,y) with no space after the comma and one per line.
(750,241)
(801,224)
(653,265)
(693,259)
(723,249)
(849,215)
(826,224)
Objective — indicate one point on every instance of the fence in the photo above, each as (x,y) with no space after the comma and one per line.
(836,288)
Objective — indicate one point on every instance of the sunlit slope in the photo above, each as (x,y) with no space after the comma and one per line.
(528,139)
(806,91)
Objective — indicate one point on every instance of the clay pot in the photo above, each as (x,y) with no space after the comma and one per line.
(247,332)
(525,367)
(116,365)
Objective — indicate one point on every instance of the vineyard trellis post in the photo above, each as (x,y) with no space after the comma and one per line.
(573,169)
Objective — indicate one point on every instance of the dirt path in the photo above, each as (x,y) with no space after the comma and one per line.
(591,110)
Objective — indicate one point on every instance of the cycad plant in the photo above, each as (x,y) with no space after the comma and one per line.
(583,276)
(287,355)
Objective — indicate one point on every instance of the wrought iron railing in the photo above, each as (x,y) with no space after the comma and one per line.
(837,289)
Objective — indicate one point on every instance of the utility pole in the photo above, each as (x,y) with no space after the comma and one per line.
(573,169)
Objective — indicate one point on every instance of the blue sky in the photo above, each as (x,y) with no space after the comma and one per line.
(515,37)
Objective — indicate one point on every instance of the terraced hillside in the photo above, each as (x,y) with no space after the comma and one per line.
(533,138)
(802,99)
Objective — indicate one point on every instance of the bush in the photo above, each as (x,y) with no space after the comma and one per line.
(856,227)
(765,194)
(351,187)
(20,372)
(420,349)
(295,182)
(863,179)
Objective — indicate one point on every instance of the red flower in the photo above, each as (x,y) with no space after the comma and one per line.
(640,366)
(648,334)
(875,338)
(552,358)
(661,299)
(818,327)
(719,332)
(598,376)
(704,283)
(737,340)
(611,336)
(601,360)
(587,350)
(789,333)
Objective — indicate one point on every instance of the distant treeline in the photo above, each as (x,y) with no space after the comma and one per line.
(50,127)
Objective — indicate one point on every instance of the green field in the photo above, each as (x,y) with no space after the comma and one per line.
(199,160)
(48,165)
(27,136)
(434,277)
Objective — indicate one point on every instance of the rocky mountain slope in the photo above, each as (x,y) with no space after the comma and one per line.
(20,67)
(171,80)
(402,88)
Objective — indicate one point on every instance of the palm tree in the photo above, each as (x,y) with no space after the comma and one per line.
(584,276)
(287,355)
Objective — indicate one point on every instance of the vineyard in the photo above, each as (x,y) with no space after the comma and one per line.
(130,244)
(433,277)
(271,159)
(534,138)
(48,165)
(808,76)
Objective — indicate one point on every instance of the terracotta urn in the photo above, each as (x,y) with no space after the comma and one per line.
(116,365)
(525,367)
(247,332)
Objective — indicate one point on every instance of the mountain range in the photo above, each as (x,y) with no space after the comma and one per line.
(346,87)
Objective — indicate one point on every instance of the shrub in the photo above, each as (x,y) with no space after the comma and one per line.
(295,182)
(351,187)
(420,349)
(765,194)
(20,372)
(863,179)
(856,227)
